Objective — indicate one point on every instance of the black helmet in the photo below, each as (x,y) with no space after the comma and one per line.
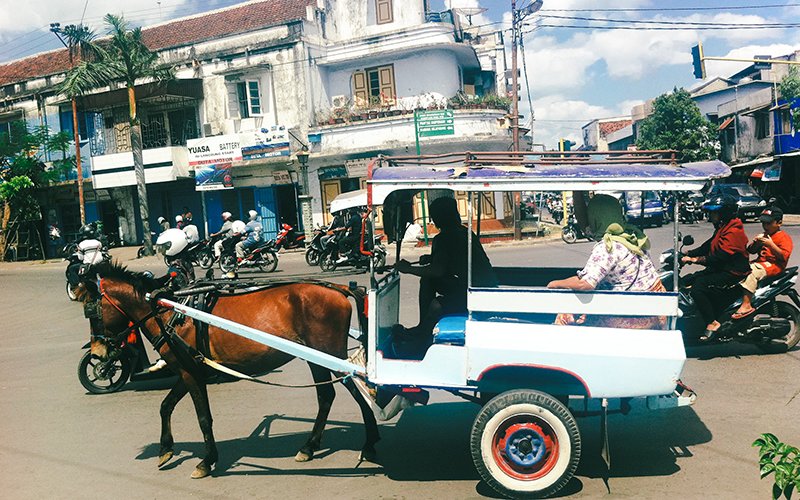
(724,204)
(87,232)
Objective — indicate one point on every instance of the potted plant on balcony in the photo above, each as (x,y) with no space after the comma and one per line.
(458,101)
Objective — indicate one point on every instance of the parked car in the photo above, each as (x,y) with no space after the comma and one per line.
(750,203)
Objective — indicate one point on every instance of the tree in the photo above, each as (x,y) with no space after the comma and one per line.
(676,123)
(789,88)
(22,172)
(122,57)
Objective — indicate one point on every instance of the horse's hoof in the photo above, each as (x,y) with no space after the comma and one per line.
(166,457)
(202,470)
(368,455)
(303,456)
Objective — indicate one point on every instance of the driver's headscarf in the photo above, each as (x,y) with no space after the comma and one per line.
(606,218)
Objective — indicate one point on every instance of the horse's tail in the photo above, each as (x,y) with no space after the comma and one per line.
(359,295)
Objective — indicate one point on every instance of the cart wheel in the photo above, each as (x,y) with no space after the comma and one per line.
(525,443)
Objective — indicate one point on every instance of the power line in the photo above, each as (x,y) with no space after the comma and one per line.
(673,23)
(666,28)
(679,9)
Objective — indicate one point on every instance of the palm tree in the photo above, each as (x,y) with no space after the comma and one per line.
(122,57)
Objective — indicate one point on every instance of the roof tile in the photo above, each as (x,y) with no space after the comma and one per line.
(238,19)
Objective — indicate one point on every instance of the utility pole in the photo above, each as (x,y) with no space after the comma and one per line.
(56,29)
(516,23)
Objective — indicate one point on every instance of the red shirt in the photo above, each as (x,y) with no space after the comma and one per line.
(768,259)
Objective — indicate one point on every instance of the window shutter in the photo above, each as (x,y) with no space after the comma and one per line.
(386,77)
(383,11)
(360,91)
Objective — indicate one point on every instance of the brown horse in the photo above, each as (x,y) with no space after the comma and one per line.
(311,314)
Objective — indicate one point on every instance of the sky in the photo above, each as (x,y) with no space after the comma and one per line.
(576,69)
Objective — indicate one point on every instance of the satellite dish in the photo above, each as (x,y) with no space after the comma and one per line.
(468,12)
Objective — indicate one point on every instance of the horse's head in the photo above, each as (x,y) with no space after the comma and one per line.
(115,304)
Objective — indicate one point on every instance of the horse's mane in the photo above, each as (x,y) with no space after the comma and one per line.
(142,283)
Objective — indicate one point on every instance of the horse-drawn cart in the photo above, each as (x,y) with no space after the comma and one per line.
(505,352)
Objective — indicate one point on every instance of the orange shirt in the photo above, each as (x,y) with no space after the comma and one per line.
(767,258)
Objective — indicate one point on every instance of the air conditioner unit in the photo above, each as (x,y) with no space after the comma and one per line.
(339,101)
(208,130)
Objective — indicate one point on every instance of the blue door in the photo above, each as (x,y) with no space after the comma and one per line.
(265,206)
(213,210)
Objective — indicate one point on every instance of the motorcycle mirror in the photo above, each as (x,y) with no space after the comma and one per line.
(688,240)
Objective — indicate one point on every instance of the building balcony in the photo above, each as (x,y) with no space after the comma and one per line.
(160,165)
(393,132)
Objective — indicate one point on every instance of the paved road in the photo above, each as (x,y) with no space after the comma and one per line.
(57,441)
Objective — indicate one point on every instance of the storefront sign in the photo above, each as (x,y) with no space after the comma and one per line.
(265,143)
(281,177)
(772,173)
(357,168)
(435,122)
(211,159)
(337,172)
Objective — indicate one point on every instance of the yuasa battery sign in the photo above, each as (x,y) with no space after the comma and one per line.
(211,159)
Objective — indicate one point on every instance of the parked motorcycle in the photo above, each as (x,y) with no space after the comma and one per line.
(572,232)
(126,361)
(774,325)
(329,259)
(288,238)
(263,257)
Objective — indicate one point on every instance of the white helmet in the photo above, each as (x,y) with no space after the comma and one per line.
(253,214)
(226,215)
(172,242)
(161,220)
(178,218)
(238,226)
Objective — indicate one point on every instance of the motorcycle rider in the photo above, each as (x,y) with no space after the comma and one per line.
(774,247)
(352,238)
(224,231)
(725,257)
(192,234)
(253,230)
(179,221)
(163,224)
(90,248)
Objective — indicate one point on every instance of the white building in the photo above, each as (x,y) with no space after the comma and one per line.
(338,77)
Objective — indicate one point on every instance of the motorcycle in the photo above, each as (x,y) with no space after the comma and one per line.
(772,328)
(689,212)
(572,232)
(329,259)
(263,257)
(126,361)
(288,238)
(315,248)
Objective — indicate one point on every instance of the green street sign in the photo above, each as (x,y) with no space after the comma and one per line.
(435,122)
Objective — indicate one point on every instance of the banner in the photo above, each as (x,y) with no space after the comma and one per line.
(265,143)
(211,158)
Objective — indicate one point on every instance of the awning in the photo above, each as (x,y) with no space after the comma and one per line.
(756,109)
(757,161)
(788,155)
(160,165)
(727,122)
(779,106)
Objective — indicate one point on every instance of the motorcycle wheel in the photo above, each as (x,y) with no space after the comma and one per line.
(790,313)
(103,377)
(205,260)
(140,253)
(569,235)
(227,263)
(71,292)
(312,257)
(378,259)
(327,262)
(269,262)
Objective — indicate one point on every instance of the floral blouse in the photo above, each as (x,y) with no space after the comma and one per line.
(619,269)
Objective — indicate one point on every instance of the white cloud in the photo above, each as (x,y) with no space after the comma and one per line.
(727,68)
(560,117)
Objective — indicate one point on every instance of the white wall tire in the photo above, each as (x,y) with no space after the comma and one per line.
(525,444)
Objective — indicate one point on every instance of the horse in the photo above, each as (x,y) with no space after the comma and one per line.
(311,314)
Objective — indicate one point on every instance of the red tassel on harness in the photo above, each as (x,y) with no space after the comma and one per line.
(132,338)
(366,306)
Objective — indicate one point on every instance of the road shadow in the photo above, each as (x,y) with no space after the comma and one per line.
(240,453)
(730,349)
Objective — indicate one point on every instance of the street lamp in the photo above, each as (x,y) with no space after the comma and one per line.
(305,197)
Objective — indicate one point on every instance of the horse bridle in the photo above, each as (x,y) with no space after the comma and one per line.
(93,312)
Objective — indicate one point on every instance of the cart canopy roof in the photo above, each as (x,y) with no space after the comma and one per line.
(543,171)
(349,199)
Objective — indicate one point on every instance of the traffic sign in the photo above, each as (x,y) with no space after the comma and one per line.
(434,122)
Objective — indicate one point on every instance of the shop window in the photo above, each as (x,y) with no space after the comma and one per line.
(374,86)
(250,98)
(383,11)
(762,125)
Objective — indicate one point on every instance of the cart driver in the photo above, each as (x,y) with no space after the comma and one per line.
(443,276)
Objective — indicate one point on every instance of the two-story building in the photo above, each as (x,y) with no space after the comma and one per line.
(346,80)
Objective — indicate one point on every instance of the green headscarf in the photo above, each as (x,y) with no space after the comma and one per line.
(605,216)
